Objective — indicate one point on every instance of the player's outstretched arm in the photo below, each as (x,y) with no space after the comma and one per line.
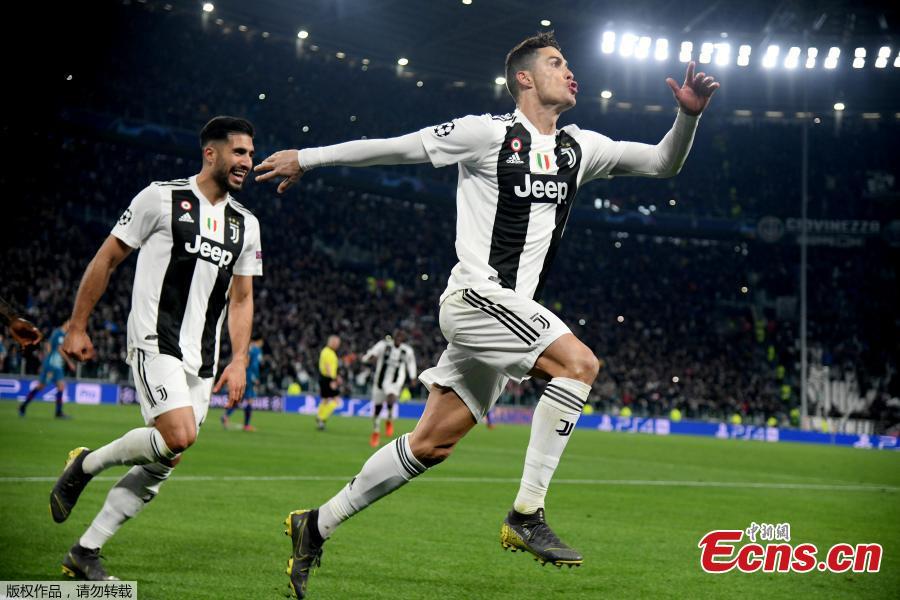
(78,345)
(288,166)
(666,158)
(240,322)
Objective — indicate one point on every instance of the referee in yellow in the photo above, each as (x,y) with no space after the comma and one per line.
(329,383)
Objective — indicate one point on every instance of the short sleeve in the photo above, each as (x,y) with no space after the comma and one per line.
(463,140)
(599,153)
(140,219)
(250,260)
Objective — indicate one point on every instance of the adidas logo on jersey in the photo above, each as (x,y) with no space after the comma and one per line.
(515,160)
(186,218)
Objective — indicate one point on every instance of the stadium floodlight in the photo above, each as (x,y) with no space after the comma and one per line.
(608,46)
(884,51)
(545,22)
(340,55)
(686,49)
(208,7)
(897,61)
(880,62)
(606,94)
(626,48)
(662,49)
(743,58)
(839,106)
(643,48)
(859,53)
(402,61)
(771,57)
(302,34)
(706,50)
(723,54)
(467,2)
(859,63)
(831,60)
(500,80)
(811,54)
(793,58)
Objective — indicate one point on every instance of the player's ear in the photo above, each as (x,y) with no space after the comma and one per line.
(524,79)
(209,154)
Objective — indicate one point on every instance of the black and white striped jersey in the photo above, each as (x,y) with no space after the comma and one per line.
(515,192)
(189,250)
(394,363)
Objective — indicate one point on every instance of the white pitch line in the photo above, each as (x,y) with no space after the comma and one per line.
(597,482)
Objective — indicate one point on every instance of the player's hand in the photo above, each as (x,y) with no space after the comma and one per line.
(25,332)
(283,164)
(694,94)
(77,345)
(235,377)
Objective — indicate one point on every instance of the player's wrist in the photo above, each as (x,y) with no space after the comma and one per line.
(77,326)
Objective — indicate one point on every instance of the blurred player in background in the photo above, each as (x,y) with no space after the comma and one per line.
(395,361)
(329,382)
(252,381)
(199,251)
(53,371)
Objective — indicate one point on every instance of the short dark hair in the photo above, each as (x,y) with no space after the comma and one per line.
(522,56)
(218,129)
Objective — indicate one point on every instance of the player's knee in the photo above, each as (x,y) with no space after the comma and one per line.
(583,365)
(180,439)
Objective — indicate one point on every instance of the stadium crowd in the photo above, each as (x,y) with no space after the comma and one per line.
(695,325)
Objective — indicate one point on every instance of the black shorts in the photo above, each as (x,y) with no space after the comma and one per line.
(325,389)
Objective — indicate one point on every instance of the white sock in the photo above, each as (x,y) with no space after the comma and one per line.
(385,471)
(126,499)
(137,447)
(551,426)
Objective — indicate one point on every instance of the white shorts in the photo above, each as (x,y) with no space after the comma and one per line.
(379,395)
(388,389)
(163,385)
(494,335)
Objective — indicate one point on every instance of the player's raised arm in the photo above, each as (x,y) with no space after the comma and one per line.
(666,158)
(289,165)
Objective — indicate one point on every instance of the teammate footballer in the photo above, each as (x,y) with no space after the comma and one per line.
(394,362)
(53,372)
(518,177)
(199,251)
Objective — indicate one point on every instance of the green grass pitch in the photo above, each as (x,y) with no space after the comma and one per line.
(215,531)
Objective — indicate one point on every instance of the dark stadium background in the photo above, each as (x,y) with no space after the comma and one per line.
(687,288)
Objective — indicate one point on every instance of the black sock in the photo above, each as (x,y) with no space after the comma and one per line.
(315,537)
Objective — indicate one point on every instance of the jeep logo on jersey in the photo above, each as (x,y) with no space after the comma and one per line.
(543,189)
(209,252)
